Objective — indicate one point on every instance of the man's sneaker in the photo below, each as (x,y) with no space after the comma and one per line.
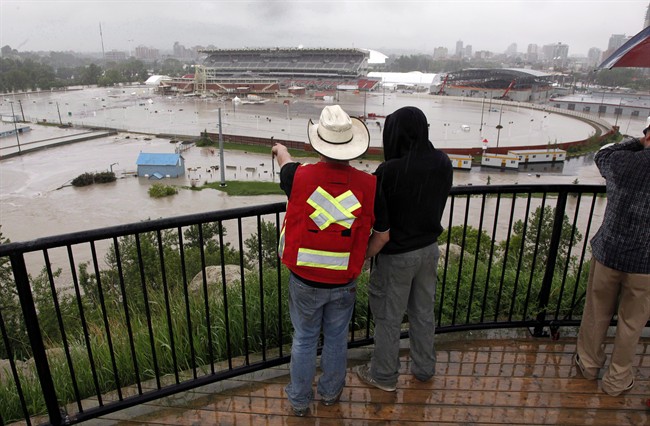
(582,369)
(363,371)
(300,412)
(333,400)
(627,388)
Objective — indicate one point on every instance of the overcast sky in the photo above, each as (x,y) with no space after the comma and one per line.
(64,25)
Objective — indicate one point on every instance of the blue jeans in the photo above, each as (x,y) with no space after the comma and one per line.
(399,283)
(310,309)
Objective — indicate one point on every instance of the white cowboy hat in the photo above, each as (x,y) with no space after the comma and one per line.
(337,135)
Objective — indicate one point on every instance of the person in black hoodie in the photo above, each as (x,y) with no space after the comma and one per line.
(414,181)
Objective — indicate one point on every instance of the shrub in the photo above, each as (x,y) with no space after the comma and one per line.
(86,179)
(83,180)
(158,190)
(104,177)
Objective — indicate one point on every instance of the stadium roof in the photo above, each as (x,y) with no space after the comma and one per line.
(414,78)
(499,78)
(376,57)
(534,73)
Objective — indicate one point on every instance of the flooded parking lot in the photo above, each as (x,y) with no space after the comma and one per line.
(453,123)
(37,201)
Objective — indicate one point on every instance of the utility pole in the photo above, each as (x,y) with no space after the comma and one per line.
(101,36)
(499,126)
(59,112)
(22,113)
(221,166)
(13,118)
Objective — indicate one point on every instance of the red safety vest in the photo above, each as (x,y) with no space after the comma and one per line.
(328,221)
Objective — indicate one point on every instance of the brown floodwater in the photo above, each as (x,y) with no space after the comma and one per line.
(36,199)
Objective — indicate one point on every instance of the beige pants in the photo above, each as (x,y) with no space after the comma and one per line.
(605,288)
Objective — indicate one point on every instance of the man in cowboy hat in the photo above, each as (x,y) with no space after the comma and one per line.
(330,212)
(620,267)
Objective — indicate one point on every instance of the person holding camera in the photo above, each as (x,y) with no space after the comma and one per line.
(620,267)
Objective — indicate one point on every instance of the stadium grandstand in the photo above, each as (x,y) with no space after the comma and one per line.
(515,84)
(266,71)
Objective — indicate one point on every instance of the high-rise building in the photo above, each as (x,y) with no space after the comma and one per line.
(532,53)
(181,52)
(115,55)
(512,50)
(468,51)
(556,54)
(459,48)
(483,54)
(616,41)
(440,53)
(147,53)
(594,56)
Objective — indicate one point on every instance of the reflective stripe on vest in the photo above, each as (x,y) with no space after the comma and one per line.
(281,243)
(329,210)
(323,259)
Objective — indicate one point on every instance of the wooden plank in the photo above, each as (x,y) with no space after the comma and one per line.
(509,382)
(374,409)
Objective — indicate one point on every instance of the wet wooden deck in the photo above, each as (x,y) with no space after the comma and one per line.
(504,381)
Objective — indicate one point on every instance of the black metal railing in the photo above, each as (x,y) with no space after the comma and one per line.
(98,321)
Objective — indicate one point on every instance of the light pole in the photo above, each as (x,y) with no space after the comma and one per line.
(480,129)
(618,111)
(13,118)
(221,165)
(111,166)
(499,126)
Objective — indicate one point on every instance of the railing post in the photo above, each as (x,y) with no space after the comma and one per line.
(547,282)
(35,338)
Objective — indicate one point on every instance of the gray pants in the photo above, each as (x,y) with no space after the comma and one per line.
(401,283)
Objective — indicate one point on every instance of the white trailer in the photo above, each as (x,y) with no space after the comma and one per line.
(539,155)
(503,161)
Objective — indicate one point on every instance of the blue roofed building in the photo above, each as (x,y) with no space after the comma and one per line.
(158,166)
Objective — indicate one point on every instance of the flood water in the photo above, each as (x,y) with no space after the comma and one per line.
(36,199)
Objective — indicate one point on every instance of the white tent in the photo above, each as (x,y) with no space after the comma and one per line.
(412,79)
(155,80)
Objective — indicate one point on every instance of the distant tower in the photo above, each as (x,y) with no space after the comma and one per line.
(459,48)
(616,41)
(101,36)
(532,53)
(594,56)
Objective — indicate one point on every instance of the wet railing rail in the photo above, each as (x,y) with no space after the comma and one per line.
(98,321)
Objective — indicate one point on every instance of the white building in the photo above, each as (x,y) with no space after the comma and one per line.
(503,161)
(539,155)
(460,161)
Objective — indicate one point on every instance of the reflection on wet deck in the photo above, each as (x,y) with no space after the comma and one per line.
(503,381)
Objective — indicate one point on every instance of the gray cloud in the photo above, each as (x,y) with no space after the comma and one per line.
(419,25)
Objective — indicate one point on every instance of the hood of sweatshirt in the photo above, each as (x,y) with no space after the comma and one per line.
(406,133)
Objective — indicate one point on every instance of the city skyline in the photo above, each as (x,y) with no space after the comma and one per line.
(420,26)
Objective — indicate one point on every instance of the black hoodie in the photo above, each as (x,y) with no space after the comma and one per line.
(414,179)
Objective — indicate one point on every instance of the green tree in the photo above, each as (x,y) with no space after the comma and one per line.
(90,75)
(9,306)
(269,244)
(474,242)
(535,244)
(172,67)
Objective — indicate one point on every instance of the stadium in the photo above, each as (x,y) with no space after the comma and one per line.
(267,71)
(513,84)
